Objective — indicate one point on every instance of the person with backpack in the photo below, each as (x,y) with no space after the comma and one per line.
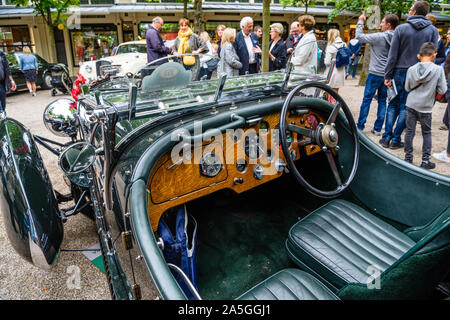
(336,51)
(380,42)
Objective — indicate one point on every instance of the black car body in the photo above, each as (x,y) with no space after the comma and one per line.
(44,75)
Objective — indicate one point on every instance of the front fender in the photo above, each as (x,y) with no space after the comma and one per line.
(27,199)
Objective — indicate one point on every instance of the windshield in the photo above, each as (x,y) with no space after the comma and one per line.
(129,48)
(182,81)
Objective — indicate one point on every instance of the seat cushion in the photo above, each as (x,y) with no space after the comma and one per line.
(290,284)
(340,241)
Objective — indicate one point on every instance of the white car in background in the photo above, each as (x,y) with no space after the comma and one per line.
(129,57)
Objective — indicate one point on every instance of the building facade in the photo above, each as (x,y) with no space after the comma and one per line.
(95,28)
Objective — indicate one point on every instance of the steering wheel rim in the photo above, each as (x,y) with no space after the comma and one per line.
(325,135)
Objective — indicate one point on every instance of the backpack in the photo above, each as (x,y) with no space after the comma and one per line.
(342,56)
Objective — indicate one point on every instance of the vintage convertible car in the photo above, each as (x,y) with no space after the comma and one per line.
(254,187)
(130,57)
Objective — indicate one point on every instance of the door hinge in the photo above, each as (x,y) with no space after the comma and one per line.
(136,291)
(127,240)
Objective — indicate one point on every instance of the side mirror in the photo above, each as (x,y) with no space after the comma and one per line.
(75,160)
(59,118)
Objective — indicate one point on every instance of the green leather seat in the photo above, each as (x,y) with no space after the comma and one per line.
(290,284)
(346,247)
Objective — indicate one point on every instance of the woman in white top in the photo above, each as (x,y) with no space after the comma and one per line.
(334,43)
(304,57)
(207,56)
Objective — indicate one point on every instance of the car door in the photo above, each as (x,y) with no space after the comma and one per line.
(14,66)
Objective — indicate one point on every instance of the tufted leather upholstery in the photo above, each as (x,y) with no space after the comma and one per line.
(290,284)
(339,241)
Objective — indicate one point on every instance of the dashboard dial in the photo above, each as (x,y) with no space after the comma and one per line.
(210,164)
(253,146)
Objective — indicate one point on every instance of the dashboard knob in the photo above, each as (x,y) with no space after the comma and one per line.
(258,172)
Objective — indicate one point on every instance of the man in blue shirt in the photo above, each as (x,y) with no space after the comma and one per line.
(354,46)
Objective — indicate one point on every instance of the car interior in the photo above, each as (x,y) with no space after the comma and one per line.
(260,235)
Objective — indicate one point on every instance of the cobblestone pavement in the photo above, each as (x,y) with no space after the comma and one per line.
(21,280)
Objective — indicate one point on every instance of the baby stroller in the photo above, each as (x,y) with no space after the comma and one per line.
(61,80)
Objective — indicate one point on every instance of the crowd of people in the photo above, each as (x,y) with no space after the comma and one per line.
(406,68)
(409,69)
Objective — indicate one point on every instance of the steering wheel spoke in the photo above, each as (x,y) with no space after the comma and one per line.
(333,116)
(301,130)
(334,168)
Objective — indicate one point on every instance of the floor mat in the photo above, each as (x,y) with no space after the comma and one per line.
(241,240)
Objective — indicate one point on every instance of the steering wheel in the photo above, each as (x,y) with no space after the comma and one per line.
(325,136)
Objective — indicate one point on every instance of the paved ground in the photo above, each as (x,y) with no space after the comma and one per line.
(21,280)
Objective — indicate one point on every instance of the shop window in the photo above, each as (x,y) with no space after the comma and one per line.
(93,42)
(15,38)
(128,32)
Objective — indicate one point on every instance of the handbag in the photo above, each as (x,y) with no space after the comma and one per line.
(188,60)
(178,230)
(212,64)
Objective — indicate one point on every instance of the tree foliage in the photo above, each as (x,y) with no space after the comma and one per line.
(397,7)
(52,11)
(299,3)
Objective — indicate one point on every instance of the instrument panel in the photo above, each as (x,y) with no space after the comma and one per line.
(239,159)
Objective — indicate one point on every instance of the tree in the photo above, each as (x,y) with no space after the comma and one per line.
(53,13)
(198,16)
(265,36)
(299,3)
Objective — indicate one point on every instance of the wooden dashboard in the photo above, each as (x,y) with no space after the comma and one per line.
(239,159)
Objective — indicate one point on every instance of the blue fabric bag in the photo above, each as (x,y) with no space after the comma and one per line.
(342,56)
(180,250)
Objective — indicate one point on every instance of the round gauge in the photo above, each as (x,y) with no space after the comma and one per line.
(276,136)
(210,164)
(241,165)
(313,121)
(253,146)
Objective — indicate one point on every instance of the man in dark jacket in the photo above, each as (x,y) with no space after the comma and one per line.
(155,44)
(6,80)
(293,39)
(246,46)
(406,42)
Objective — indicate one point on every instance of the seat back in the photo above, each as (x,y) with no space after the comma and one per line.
(416,274)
